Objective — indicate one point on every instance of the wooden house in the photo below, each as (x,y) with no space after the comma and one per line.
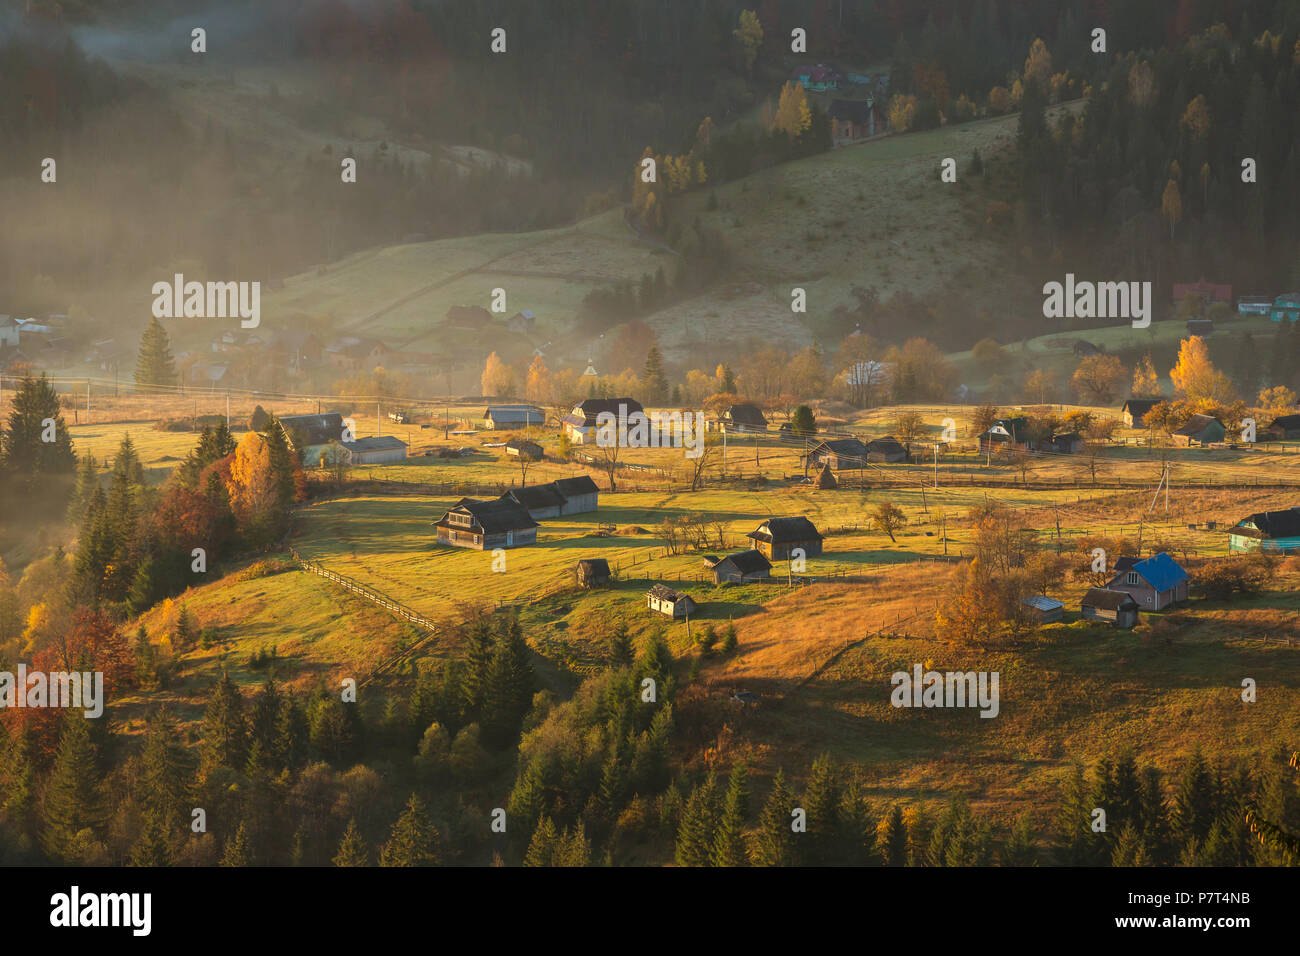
(840,453)
(748,565)
(580,494)
(664,600)
(1135,410)
(743,418)
(511,417)
(1066,443)
(1285,426)
(1267,531)
(1255,305)
(1199,430)
(1153,583)
(592,572)
(375,450)
(1006,433)
(486,525)
(818,79)
(356,354)
(1286,306)
(777,537)
(853,120)
(580,424)
(1043,609)
(311,436)
(525,449)
(887,449)
(1111,607)
(540,501)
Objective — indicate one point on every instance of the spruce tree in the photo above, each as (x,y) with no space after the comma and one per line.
(542,846)
(225,730)
(774,843)
(154,365)
(729,842)
(87,482)
(185,632)
(699,825)
(822,802)
(620,644)
(74,803)
(653,379)
(352,848)
(413,840)
(1195,797)
(237,852)
(164,784)
(574,849)
(893,838)
(25,452)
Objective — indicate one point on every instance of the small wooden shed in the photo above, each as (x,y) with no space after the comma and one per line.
(1110,607)
(592,572)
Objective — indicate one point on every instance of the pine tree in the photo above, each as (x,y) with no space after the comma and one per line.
(352,849)
(728,380)
(653,379)
(164,782)
(620,644)
(225,730)
(893,838)
(1195,797)
(185,632)
(574,850)
(18,783)
(87,482)
(413,840)
(154,365)
(729,843)
(237,852)
(699,824)
(774,844)
(74,803)
(822,803)
(25,452)
(542,846)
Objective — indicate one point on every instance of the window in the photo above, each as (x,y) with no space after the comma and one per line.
(1132,578)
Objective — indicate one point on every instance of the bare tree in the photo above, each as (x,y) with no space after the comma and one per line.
(888,519)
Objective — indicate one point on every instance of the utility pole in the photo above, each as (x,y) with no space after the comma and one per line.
(936,466)
(87,401)
(724,452)
(379,421)
(227,408)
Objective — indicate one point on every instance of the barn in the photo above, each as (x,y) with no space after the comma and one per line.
(375,450)
(511,416)
(743,418)
(887,449)
(840,453)
(775,538)
(580,494)
(1043,609)
(525,449)
(540,501)
(580,423)
(1110,607)
(738,568)
(1285,426)
(486,525)
(1199,430)
(664,600)
(592,572)
(312,435)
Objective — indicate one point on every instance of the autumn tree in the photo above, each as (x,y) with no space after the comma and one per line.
(749,35)
(888,518)
(498,378)
(792,113)
(1195,377)
(1038,66)
(1097,377)
(1171,206)
(537,384)
(1146,383)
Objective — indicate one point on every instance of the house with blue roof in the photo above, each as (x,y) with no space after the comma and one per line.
(1154,583)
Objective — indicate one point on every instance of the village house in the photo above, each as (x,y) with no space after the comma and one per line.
(839,453)
(523,322)
(1255,305)
(1005,433)
(777,537)
(468,318)
(8,332)
(1286,306)
(375,450)
(817,79)
(564,496)
(592,572)
(540,501)
(1267,531)
(1154,583)
(511,417)
(1208,292)
(1066,443)
(1135,410)
(665,600)
(1043,609)
(853,120)
(580,424)
(525,449)
(887,449)
(312,435)
(1285,426)
(1111,607)
(1199,430)
(295,350)
(742,418)
(748,565)
(357,354)
(486,525)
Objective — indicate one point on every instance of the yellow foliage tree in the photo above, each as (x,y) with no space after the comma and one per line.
(1017,94)
(253,493)
(750,37)
(537,386)
(498,378)
(1195,377)
(999,100)
(1038,66)
(902,110)
(792,113)
(1146,383)
(1196,118)
(1171,206)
